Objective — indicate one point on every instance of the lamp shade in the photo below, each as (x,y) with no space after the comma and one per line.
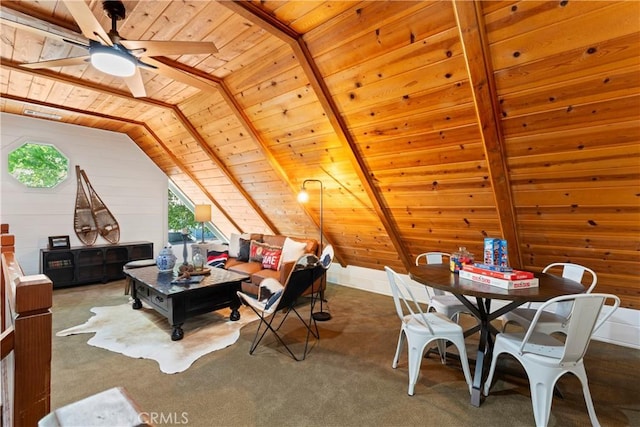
(203,213)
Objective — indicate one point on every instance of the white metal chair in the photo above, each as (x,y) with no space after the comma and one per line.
(441,301)
(420,329)
(545,358)
(550,322)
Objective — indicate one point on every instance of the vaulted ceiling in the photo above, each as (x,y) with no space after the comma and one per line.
(431,124)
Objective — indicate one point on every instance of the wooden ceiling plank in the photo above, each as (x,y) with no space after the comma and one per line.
(476,51)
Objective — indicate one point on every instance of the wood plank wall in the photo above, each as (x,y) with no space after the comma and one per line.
(570,120)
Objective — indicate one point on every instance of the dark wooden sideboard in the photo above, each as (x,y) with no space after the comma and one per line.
(91,264)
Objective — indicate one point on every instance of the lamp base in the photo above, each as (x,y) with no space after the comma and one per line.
(321,316)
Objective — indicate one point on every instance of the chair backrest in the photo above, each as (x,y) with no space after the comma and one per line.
(585,320)
(304,273)
(432,257)
(573,272)
(405,302)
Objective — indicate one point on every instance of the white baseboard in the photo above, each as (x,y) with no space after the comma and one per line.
(622,328)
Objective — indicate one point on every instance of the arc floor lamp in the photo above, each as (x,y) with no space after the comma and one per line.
(303,197)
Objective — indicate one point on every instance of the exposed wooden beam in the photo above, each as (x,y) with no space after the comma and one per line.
(269,23)
(36,19)
(158,140)
(62,78)
(45,28)
(67,109)
(476,53)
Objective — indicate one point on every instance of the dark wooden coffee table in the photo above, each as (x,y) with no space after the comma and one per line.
(179,302)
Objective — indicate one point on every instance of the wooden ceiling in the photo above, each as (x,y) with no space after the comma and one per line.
(431,124)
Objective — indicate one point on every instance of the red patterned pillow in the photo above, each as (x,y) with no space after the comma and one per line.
(271,258)
(256,249)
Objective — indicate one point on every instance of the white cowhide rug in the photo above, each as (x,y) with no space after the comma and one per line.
(145,334)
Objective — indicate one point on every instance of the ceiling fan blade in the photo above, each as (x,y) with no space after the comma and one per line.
(136,85)
(64,62)
(87,21)
(178,75)
(163,48)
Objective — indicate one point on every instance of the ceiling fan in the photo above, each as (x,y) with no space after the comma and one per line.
(114,55)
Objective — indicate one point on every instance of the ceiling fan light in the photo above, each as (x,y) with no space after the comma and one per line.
(113,62)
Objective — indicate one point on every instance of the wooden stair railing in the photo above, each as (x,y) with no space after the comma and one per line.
(25,340)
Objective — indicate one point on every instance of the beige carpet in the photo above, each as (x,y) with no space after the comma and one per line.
(145,334)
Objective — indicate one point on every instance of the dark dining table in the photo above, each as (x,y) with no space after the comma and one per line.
(438,276)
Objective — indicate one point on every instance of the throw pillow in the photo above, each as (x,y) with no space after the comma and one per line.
(271,258)
(234,243)
(256,250)
(217,259)
(243,251)
(292,250)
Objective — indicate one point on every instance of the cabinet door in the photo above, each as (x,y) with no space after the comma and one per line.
(59,267)
(90,265)
(114,259)
(141,251)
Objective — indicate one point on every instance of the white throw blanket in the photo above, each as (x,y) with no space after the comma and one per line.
(146,334)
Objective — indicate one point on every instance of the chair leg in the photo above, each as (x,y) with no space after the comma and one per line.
(256,339)
(416,351)
(127,285)
(464,361)
(541,385)
(310,330)
(268,326)
(580,372)
(494,359)
(401,340)
(442,349)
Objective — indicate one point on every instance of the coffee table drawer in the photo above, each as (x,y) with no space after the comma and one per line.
(159,300)
(142,291)
(156,299)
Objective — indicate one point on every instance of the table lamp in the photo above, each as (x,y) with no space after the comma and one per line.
(202,215)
